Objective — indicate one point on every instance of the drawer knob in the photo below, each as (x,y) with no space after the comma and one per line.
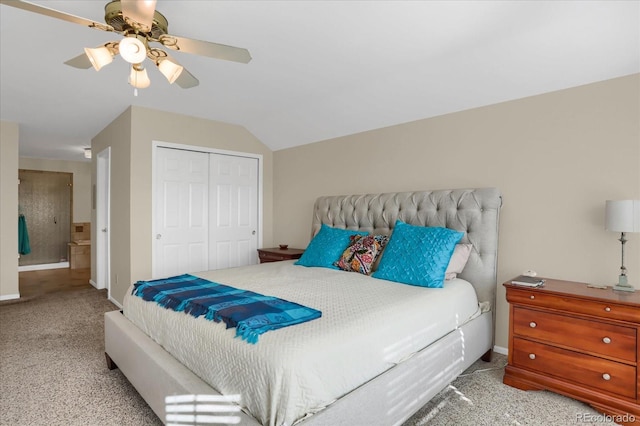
(606,376)
(606,340)
(532,324)
(532,297)
(607,309)
(532,356)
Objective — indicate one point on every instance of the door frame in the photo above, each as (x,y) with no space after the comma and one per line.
(160,144)
(102,198)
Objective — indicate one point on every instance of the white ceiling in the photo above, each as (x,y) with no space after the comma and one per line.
(320,69)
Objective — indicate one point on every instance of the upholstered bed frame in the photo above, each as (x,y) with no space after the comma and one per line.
(393,396)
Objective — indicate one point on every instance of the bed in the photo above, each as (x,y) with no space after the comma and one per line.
(329,371)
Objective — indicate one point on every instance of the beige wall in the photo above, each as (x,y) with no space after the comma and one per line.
(116,135)
(556,158)
(9,210)
(131,137)
(81,181)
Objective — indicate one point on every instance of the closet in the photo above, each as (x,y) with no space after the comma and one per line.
(206,210)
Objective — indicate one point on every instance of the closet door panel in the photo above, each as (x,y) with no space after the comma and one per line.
(181,209)
(234,211)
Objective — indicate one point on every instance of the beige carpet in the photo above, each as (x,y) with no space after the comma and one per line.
(53,372)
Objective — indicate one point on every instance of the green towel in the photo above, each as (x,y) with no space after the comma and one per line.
(23,236)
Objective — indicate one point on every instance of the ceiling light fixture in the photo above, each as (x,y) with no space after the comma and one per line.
(138,78)
(170,69)
(132,49)
(140,24)
(99,56)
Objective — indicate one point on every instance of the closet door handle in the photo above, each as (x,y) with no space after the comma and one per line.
(55,220)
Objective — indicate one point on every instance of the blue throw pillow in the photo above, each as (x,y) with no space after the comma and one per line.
(326,247)
(417,255)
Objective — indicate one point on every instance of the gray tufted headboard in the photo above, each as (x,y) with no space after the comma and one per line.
(473,211)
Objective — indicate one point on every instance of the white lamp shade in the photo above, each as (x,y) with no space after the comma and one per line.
(132,50)
(622,215)
(99,56)
(170,70)
(139,78)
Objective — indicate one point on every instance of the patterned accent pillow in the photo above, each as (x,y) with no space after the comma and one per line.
(417,255)
(361,253)
(326,247)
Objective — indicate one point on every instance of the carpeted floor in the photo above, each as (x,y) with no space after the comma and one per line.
(53,372)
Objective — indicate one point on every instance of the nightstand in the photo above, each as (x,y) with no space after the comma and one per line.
(277,254)
(577,341)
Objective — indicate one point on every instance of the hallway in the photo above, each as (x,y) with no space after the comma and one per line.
(38,283)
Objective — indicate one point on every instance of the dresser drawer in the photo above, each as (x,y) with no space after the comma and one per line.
(595,337)
(277,254)
(270,257)
(608,376)
(603,309)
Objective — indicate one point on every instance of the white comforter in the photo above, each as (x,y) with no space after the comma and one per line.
(367,326)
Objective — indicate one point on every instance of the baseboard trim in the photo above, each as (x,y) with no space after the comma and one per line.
(59,265)
(501,350)
(115,302)
(9,297)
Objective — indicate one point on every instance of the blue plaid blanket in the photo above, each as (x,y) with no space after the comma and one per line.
(251,313)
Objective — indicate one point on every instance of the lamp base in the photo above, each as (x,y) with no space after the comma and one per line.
(624,287)
(623,284)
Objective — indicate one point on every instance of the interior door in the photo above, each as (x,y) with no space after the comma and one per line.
(103,231)
(181,209)
(233,208)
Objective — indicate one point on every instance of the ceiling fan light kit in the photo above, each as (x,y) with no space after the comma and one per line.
(99,56)
(139,77)
(170,69)
(132,49)
(140,24)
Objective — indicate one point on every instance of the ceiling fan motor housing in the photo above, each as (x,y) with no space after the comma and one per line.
(113,16)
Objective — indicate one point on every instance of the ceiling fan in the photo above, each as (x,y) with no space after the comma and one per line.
(140,24)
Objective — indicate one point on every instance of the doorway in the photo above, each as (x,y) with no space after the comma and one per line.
(45,202)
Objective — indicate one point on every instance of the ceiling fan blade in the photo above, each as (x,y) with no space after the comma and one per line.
(206,48)
(140,11)
(81,61)
(186,80)
(30,7)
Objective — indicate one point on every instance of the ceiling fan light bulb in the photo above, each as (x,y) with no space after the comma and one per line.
(132,50)
(170,70)
(99,56)
(139,78)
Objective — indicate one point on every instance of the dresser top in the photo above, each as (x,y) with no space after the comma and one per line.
(580,290)
(278,250)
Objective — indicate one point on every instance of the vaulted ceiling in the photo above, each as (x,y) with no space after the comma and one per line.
(320,69)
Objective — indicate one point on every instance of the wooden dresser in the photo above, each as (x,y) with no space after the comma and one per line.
(578,341)
(277,254)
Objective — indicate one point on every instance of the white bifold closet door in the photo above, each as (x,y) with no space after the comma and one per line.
(181,209)
(233,210)
(206,211)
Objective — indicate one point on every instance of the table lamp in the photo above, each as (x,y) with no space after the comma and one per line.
(622,216)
